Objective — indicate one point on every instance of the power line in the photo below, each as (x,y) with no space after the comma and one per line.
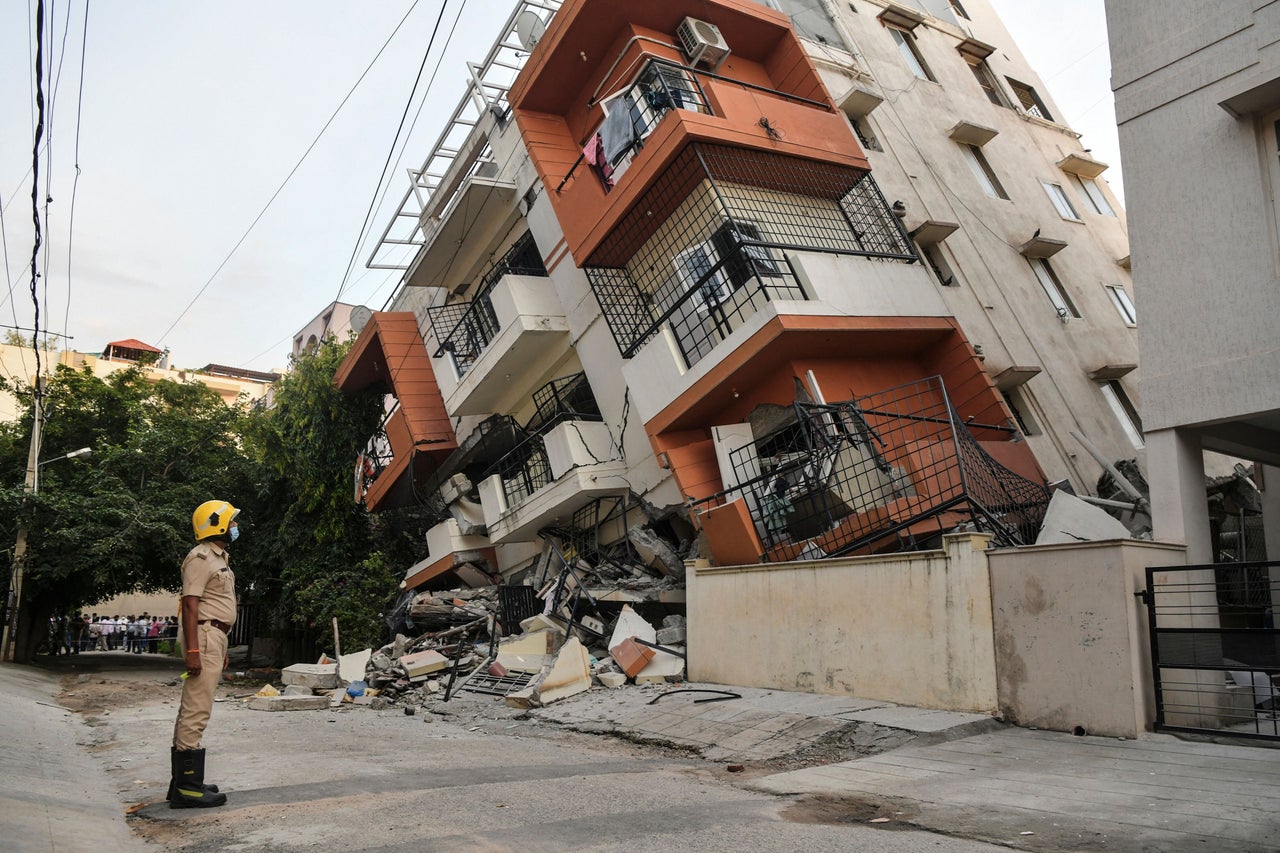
(71,224)
(35,186)
(292,172)
(368,216)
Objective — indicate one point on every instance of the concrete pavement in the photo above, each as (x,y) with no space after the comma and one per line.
(1049,791)
(51,791)
(488,777)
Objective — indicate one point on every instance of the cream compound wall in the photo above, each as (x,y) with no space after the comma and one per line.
(912,628)
(1071,640)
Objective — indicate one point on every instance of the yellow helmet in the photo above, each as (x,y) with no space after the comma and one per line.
(213,518)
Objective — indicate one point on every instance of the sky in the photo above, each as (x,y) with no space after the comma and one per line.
(188,117)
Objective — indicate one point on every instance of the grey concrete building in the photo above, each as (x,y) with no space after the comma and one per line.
(1198,104)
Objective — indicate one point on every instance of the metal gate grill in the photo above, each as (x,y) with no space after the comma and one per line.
(1215,650)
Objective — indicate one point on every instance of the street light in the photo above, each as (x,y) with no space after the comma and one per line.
(20,548)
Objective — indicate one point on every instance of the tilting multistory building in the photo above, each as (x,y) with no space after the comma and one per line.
(796,279)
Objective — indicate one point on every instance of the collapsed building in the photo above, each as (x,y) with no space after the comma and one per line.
(728,283)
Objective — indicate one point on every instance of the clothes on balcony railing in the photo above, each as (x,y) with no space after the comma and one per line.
(593,153)
(618,133)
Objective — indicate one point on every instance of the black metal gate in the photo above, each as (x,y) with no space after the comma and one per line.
(1215,650)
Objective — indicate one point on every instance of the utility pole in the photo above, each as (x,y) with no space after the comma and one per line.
(8,645)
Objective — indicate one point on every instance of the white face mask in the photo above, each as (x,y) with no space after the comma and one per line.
(235,533)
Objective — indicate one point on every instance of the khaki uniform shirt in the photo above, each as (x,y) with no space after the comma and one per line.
(207,575)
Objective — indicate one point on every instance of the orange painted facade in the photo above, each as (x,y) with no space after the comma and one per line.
(390,355)
(593,48)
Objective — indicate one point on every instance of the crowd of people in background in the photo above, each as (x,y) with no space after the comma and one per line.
(86,632)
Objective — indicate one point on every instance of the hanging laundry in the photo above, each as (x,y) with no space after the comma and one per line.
(593,153)
(618,133)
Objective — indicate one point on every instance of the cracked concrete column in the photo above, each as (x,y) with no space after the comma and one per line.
(1179,509)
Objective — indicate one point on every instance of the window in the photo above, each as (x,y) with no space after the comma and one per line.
(1124,305)
(862,127)
(987,80)
(1058,196)
(1126,413)
(937,262)
(1016,400)
(743,262)
(1093,196)
(958,9)
(1053,288)
(740,263)
(983,172)
(1030,101)
(906,42)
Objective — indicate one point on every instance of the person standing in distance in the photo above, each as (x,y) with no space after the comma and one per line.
(208,611)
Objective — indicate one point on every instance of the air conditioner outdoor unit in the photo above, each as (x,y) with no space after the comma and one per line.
(702,42)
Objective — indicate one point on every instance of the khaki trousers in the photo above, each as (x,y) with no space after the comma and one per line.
(197,691)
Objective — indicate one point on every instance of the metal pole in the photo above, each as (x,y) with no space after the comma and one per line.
(32,483)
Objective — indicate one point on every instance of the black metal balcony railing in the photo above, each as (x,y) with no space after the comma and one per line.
(472,326)
(881,472)
(526,468)
(705,248)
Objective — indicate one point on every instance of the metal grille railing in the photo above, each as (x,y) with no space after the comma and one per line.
(566,399)
(1215,650)
(705,247)
(473,325)
(526,468)
(883,472)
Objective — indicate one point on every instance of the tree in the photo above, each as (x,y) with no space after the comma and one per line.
(331,556)
(119,521)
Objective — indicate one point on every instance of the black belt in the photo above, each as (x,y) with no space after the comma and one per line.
(217,623)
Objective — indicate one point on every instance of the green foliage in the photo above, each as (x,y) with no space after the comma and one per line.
(119,520)
(333,559)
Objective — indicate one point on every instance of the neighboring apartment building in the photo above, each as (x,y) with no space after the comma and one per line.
(231,383)
(334,320)
(820,289)
(1198,104)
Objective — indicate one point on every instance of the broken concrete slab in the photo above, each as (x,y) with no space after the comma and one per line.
(611,679)
(297,690)
(1069,519)
(541,622)
(673,635)
(569,675)
(655,553)
(631,624)
(288,703)
(352,667)
(423,663)
(530,652)
(661,667)
(317,676)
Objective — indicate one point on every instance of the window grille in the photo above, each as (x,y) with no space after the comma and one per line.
(1029,99)
(706,246)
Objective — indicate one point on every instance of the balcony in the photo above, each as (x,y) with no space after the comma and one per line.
(710,245)
(491,348)
(548,477)
(883,472)
(416,435)
(767,99)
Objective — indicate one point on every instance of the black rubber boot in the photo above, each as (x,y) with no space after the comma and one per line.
(188,788)
(174,772)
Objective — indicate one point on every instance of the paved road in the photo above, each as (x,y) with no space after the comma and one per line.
(356,779)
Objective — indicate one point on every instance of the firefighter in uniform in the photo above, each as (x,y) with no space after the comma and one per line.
(208,611)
